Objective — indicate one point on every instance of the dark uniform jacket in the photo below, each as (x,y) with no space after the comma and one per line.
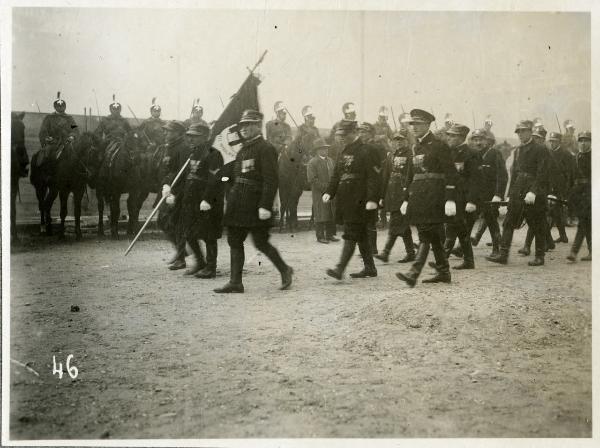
(279,134)
(175,155)
(581,193)
(383,134)
(203,184)
(434,181)
(112,128)
(255,180)
(396,178)
(152,128)
(320,171)
(59,127)
(466,163)
(493,175)
(563,172)
(355,182)
(305,140)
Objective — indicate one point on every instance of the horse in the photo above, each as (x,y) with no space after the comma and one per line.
(19,161)
(292,177)
(59,169)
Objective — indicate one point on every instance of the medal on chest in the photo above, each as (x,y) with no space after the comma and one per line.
(247,165)
(348,162)
(399,162)
(460,166)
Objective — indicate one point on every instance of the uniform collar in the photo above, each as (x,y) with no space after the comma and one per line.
(252,140)
(427,134)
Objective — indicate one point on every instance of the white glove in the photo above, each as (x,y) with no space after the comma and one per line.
(551,196)
(371,205)
(496,199)
(404,207)
(70,138)
(326,198)
(205,206)
(470,207)
(263,214)
(381,203)
(450,208)
(502,210)
(170,199)
(529,198)
(166,189)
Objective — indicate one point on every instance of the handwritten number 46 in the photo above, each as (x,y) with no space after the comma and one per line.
(72,370)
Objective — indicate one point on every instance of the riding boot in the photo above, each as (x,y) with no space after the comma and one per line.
(441,265)
(409,246)
(495,244)
(372,240)
(320,230)
(369,269)
(468,260)
(197,251)
(347,251)
(235,284)
(210,270)
(526,249)
(410,278)
(385,254)
(505,242)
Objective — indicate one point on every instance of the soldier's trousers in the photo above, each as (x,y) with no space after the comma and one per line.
(584,230)
(430,235)
(325,230)
(356,234)
(461,229)
(558,218)
(260,236)
(536,221)
(547,235)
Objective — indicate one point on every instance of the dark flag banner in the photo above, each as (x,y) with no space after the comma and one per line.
(224,131)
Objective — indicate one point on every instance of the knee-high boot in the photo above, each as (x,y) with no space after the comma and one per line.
(347,252)
(369,269)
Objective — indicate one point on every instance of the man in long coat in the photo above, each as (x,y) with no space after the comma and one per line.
(320,169)
(581,197)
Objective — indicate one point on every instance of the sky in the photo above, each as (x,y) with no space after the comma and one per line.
(510,65)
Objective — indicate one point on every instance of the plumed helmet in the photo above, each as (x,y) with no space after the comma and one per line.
(569,124)
(307,111)
(488,121)
(348,108)
(114,106)
(383,111)
(448,120)
(59,103)
(278,106)
(154,107)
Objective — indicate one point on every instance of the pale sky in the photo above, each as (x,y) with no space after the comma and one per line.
(512,65)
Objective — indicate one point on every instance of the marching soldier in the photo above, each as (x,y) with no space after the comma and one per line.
(562,181)
(196,115)
(175,156)
(250,202)
(383,132)
(581,196)
(466,164)
(278,132)
(59,127)
(493,178)
(355,186)
(319,172)
(527,195)
(397,176)
(112,128)
(202,203)
(366,131)
(152,128)
(431,198)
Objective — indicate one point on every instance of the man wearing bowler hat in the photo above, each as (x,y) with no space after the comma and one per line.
(319,172)
(527,195)
(355,184)
(431,198)
(250,202)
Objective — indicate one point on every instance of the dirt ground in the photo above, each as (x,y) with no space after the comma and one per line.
(505,351)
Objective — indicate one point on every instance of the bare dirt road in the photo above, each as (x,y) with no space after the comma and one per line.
(505,351)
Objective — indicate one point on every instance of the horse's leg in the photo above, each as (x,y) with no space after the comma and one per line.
(63,195)
(100,200)
(39,194)
(115,210)
(133,210)
(48,201)
(77,199)
(14,188)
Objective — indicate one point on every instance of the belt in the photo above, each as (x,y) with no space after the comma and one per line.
(423,176)
(581,181)
(243,180)
(351,177)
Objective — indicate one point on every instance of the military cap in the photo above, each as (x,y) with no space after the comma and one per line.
(114,105)
(345,127)
(251,116)
(307,111)
(58,102)
(348,108)
(278,106)
(540,131)
(366,127)
(320,143)
(458,129)
(480,133)
(383,112)
(399,135)
(154,105)
(586,135)
(175,126)
(555,136)
(198,129)
(420,116)
(524,124)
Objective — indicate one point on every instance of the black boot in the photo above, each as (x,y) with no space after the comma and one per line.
(441,265)
(409,246)
(347,251)
(369,270)
(385,254)
(200,263)
(468,260)
(373,240)
(500,258)
(537,261)
(235,284)
(410,278)
(210,270)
